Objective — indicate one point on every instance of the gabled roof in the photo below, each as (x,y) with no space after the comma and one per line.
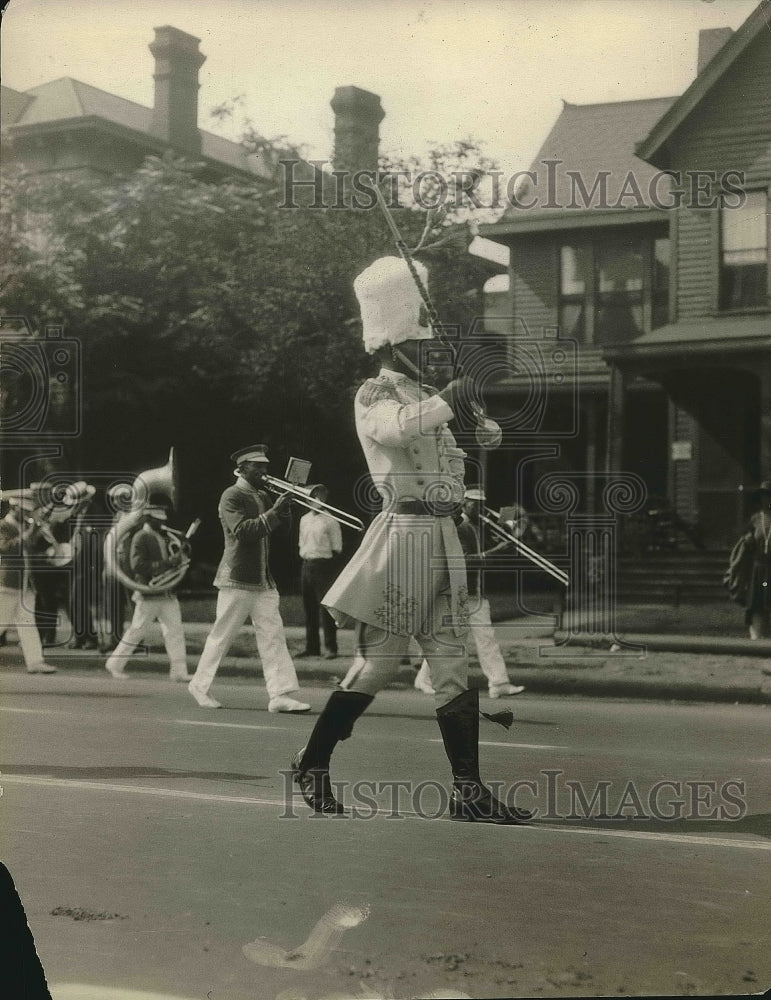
(12,104)
(595,142)
(65,100)
(676,115)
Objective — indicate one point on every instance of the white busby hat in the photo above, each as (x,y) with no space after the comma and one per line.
(390,303)
(254,453)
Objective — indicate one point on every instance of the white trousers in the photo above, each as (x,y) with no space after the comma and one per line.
(17,610)
(489,652)
(164,609)
(234,606)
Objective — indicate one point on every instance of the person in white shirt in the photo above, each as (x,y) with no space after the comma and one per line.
(320,542)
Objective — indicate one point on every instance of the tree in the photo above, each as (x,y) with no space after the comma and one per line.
(208,316)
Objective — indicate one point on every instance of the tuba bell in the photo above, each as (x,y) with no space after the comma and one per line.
(131,501)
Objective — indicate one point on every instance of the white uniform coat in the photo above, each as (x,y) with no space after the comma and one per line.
(408,576)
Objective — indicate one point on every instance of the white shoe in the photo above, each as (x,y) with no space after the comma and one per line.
(505,690)
(283,703)
(178,675)
(423,680)
(202,698)
(41,668)
(119,675)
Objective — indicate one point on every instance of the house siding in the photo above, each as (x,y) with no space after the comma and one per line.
(533,277)
(729,132)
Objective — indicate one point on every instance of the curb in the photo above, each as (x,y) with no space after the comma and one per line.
(537,679)
(659,643)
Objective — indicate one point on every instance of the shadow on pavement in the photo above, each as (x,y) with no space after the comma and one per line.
(758,824)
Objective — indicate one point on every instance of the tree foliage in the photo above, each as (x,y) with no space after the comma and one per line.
(208,316)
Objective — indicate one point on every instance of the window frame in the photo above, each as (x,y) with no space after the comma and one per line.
(592,297)
(721,308)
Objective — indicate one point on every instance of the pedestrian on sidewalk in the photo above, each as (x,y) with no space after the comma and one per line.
(408,577)
(149,556)
(758,548)
(481,629)
(246,587)
(320,543)
(17,596)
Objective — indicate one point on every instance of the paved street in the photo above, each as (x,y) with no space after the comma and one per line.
(151,841)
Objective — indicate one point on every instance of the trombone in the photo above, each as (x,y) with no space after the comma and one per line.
(303,495)
(492,519)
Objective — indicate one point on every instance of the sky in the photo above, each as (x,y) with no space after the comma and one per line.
(491,70)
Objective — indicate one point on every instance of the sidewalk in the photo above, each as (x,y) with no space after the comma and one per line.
(656,666)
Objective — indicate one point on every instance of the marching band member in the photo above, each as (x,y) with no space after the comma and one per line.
(246,588)
(148,556)
(84,598)
(408,576)
(17,597)
(480,624)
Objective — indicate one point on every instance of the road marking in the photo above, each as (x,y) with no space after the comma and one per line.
(103,786)
(671,838)
(145,718)
(232,725)
(521,746)
(33,711)
(177,793)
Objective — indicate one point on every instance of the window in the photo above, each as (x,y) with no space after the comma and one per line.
(660,283)
(744,254)
(615,287)
(619,290)
(574,275)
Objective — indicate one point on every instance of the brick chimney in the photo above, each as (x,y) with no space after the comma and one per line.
(711,40)
(175,111)
(358,114)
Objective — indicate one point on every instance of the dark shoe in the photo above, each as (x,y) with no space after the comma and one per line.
(76,643)
(331,654)
(316,788)
(470,800)
(310,767)
(89,644)
(305,654)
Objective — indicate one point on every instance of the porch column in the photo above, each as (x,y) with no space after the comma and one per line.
(615,446)
(764,372)
(591,452)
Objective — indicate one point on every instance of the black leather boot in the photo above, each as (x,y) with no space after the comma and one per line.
(470,800)
(310,766)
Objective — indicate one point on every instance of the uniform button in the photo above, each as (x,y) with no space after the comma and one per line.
(418,465)
(421,482)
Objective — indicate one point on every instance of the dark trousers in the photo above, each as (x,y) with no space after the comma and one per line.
(317,575)
(52,589)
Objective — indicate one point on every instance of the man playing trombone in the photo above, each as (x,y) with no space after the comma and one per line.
(246,587)
(480,625)
(408,578)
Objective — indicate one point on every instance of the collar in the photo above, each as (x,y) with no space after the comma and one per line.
(242,484)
